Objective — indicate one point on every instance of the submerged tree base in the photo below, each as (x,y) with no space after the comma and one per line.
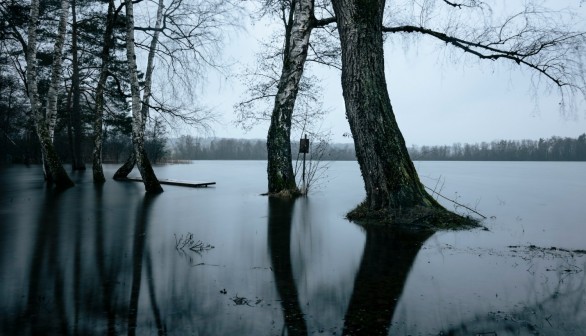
(432,218)
(285,194)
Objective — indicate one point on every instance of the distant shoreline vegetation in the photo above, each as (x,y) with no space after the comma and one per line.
(186,148)
(551,149)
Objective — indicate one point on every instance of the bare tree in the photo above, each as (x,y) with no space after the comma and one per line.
(77,161)
(186,36)
(98,171)
(43,124)
(298,17)
(393,189)
(147,173)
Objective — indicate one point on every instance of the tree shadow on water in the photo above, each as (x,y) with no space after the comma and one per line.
(279,240)
(140,256)
(386,263)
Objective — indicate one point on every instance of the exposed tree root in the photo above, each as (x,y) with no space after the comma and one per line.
(432,218)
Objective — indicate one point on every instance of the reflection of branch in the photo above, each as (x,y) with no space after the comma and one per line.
(183,243)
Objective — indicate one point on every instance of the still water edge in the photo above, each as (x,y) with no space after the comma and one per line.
(111,260)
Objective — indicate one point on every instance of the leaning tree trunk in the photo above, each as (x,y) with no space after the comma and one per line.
(297,33)
(58,174)
(390,179)
(147,173)
(77,161)
(98,170)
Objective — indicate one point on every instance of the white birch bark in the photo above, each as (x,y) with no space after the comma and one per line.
(279,167)
(56,171)
(52,94)
(31,62)
(138,120)
(148,79)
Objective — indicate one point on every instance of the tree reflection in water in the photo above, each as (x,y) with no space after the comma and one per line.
(280,220)
(102,261)
(77,285)
(386,263)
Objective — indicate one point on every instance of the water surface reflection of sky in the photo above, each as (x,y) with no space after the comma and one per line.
(104,260)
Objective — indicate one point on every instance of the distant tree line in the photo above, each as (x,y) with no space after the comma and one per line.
(191,148)
(552,149)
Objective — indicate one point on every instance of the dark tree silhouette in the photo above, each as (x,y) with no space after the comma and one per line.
(393,189)
(279,240)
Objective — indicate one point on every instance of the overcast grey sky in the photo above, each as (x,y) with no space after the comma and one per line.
(436,100)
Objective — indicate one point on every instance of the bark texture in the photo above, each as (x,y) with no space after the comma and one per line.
(77,162)
(390,179)
(98,125)
(145,168)
(297,33)
(53,92)
(56,170)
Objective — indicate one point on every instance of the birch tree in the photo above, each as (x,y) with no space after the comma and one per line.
(185,36)
(532,38)
(43,122)
(145,168)
(284,83)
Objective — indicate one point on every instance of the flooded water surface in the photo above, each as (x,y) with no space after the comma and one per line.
(224,260)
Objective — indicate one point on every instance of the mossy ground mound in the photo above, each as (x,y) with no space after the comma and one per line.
(285,194)
(414,218)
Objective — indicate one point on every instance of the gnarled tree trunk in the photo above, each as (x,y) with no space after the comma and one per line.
(56,170)
(297,33)
(391,182)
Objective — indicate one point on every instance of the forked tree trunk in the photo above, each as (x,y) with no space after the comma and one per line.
(390,179)
(58,174)
(53,92)
(78,162)
(98,171)
(147,173)
(279,166)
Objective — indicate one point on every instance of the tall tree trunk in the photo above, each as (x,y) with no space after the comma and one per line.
(53,93)
(56,169)
(297,33)
(98,171)
(149,178)
(391,182)
(77,162)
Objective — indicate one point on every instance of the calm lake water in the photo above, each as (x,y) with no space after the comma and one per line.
(111,260)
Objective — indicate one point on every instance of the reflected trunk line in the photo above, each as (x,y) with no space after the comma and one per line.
(105,283)
(140,234)
(279,241)
(45,228)
(385,266)
(77,297)
(60,304)
(152,295)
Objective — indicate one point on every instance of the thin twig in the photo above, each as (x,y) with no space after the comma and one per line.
(455,202)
